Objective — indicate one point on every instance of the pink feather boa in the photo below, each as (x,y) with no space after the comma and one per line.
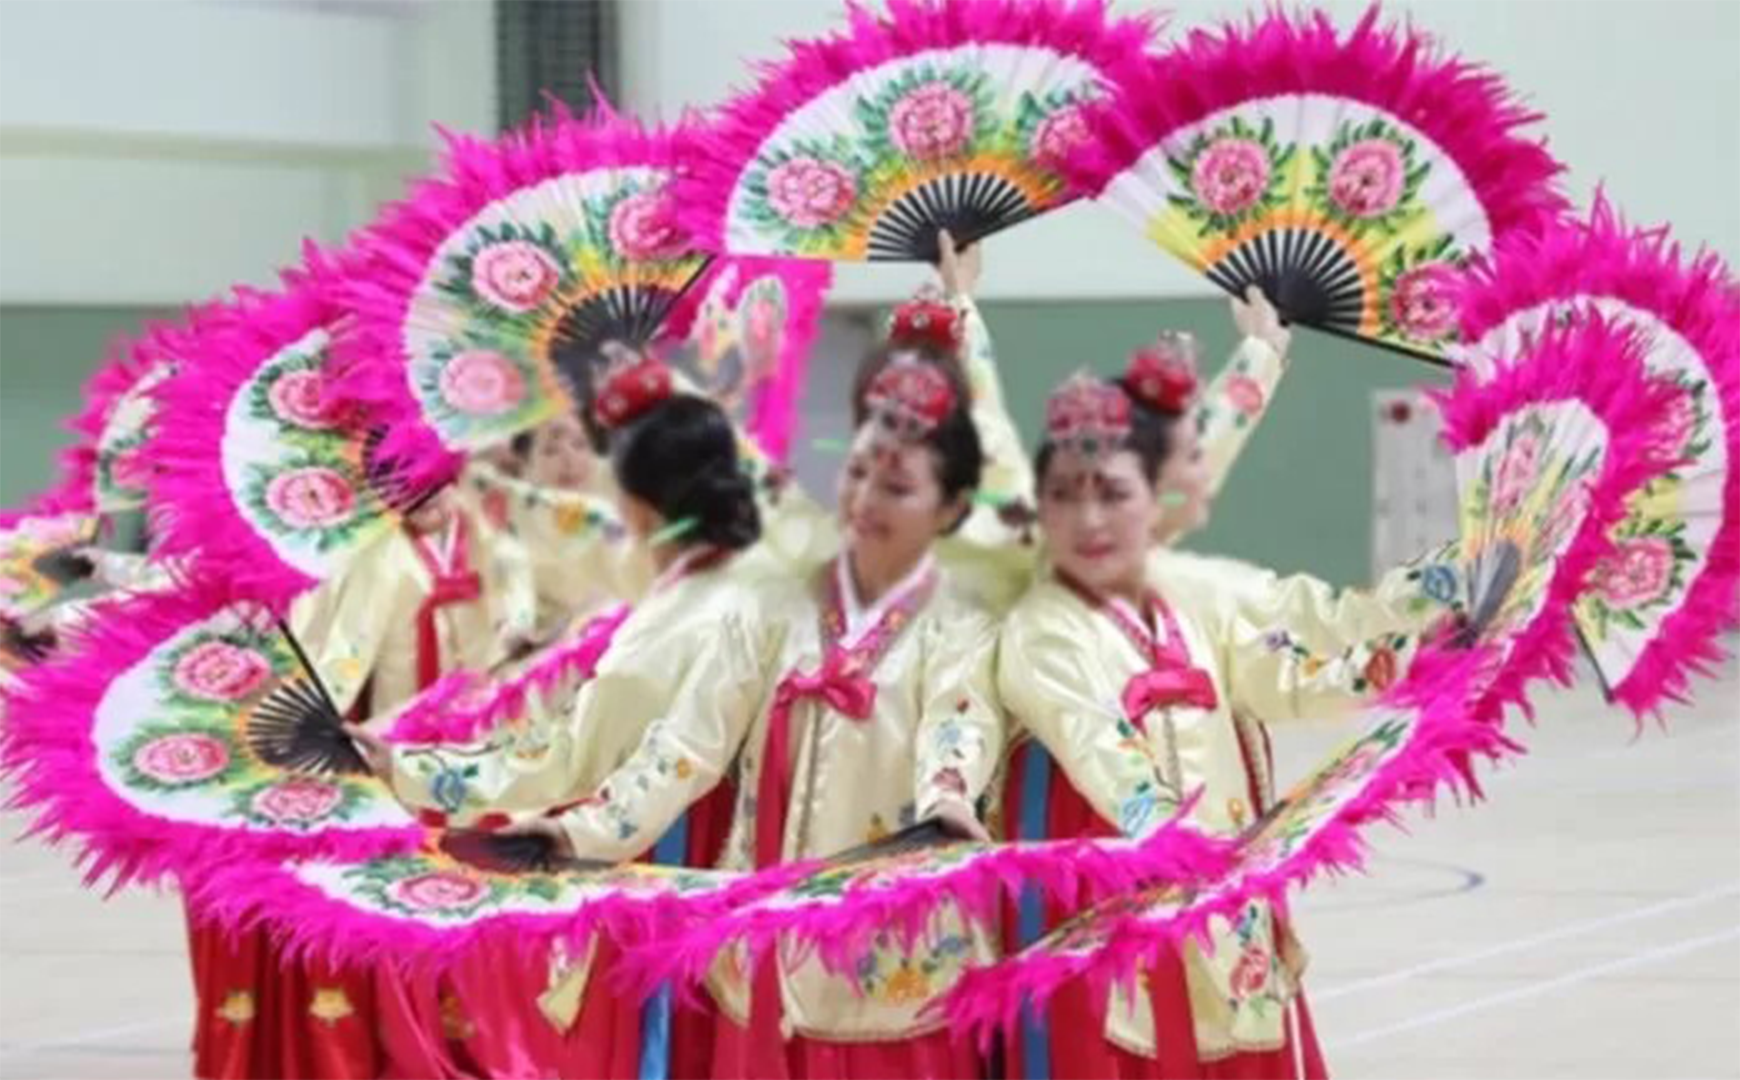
(464,706)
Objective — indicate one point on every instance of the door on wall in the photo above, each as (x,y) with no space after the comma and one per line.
(1413,478)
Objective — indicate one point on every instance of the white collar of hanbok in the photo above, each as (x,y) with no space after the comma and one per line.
(859,619)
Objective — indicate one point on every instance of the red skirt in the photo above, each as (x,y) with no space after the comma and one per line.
(1052,1045)
(263,1016)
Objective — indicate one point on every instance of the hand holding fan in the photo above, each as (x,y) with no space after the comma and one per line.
(943,114)
(1660,602)
(1351,178)
(482,300)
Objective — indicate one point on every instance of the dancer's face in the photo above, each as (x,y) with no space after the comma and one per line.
(561,456)
(891,503)
(1099,515)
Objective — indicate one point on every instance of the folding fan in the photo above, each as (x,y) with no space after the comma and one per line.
(1350,178)
(257,469)
(941,114)
(39,558)
(482,299)
(743,334)
(1548,451)
(1661,601)
(424,910)
(898,887)
(186,730)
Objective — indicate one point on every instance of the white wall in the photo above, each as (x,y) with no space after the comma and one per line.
(1643,95)
(156,151)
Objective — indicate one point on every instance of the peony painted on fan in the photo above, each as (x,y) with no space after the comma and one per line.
(482,299)
(1548,452)
(185,732)
(1352,178)
(1661,601)
(259,469)
(39,557)
(424,910)
(951,114)
(743,334)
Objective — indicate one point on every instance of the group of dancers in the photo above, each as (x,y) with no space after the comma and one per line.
(462,606)
(783,683)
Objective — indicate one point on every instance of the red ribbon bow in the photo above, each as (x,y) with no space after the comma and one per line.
(843,690)
(1167,686)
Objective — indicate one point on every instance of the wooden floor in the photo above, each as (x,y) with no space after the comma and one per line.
(1584,922)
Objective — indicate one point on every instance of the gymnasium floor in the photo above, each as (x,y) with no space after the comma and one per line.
(1585,922)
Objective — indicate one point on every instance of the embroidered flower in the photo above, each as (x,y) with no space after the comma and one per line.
(1380,669)
(1245,394)
(810,192)
(1251,973)
(237,1007)
(182,759)
(330,1004)
(1366,179)
(514,275)
(220,671)
(479,382)
(1440,582)
(448,789)
(1230,175)
(311,497)
(906,986)
(932,121)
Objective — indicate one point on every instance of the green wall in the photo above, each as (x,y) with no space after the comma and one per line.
(46,354)
(1300,498)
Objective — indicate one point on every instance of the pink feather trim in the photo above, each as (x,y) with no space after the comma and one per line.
(464,706)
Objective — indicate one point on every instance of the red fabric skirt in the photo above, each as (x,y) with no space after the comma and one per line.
(1074,1011)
